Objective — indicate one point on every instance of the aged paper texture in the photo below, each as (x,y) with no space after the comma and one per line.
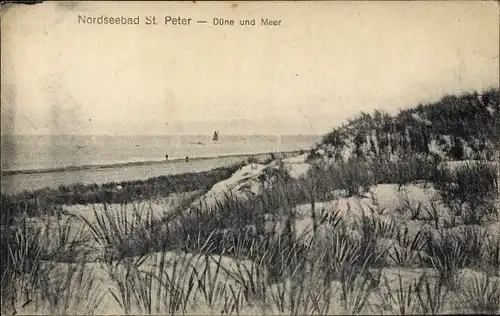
(266,157)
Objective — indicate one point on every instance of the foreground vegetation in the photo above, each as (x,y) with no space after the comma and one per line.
(178,264)
(321,244)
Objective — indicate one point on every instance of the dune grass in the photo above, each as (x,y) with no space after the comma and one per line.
(481,294)
(228,259)
(463,126)
(47,201)
(247,256)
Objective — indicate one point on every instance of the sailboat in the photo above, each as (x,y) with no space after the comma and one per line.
(216,136)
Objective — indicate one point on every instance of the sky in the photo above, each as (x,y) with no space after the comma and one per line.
(326,62)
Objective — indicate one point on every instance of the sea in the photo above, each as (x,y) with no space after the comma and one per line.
(37,161)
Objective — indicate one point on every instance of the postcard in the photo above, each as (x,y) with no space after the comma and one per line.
(250,157)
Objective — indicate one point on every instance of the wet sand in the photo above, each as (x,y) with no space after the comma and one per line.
(13,182)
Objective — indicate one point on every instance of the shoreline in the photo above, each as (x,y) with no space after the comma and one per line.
(134,163)
(133,171)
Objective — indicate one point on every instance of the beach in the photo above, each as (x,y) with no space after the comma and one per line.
(37,161)
(58,152)
(16,181)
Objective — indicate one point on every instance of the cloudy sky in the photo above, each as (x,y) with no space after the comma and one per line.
(325,63)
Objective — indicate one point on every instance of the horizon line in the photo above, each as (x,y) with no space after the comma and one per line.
(173,134)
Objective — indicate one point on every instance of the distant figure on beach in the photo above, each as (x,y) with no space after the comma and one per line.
(166,157)
(187,159)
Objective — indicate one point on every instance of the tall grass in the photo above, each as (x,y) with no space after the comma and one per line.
(357,175)
(20,267)
(403,298)
(122,232)
(471,191)
(481,294)
(432,294)
(73,290)
(166,287)
(491,252)
(407,250)
(448,251)
(28,270)
(224,257)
